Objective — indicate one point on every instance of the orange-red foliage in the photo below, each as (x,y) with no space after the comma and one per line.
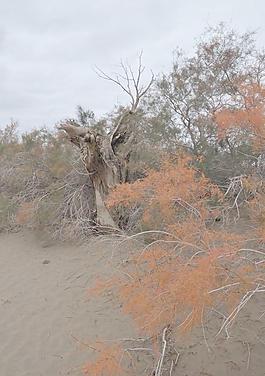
(195,265)
(108,362)
(168,195)
(251,117)
(25,213)
(173,281)
(174,278)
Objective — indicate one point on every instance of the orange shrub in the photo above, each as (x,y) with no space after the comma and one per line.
(25,213)
(107,363)
(247,123)
(168,195)
(173,277)
(194,266)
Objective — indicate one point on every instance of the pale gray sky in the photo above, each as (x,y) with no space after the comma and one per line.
(49,48)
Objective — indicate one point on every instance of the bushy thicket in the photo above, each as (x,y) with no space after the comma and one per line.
(43,183)
(208,115)
(187,110)
(196,163)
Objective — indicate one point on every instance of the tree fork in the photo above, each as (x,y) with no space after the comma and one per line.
(104,162)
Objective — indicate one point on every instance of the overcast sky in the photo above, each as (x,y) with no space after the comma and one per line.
(49,48)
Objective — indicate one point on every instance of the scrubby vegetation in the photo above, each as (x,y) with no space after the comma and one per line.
(181,168)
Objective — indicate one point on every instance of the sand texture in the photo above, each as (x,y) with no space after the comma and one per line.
(45,310)
(44,304)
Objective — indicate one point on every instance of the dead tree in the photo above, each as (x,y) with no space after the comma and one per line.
(103,158)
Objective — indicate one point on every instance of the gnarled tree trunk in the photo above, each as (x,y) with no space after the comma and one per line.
(101,155)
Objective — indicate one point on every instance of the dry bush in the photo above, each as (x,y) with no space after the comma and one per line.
(193,266)
(43,185)
(7,212)
(25,213)
(189,259)
(108,362)
(172,193)
(245,122)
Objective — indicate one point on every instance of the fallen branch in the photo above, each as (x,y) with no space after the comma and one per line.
(158,370)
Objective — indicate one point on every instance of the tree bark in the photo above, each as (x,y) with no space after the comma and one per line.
(101,155)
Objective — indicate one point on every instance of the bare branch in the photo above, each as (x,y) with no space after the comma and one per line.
(131,83)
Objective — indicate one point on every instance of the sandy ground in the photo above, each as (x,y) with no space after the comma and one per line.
(243,354)
(44,304)
(45,310)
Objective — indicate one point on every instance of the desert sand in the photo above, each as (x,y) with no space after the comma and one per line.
(46,314)
(45,307)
